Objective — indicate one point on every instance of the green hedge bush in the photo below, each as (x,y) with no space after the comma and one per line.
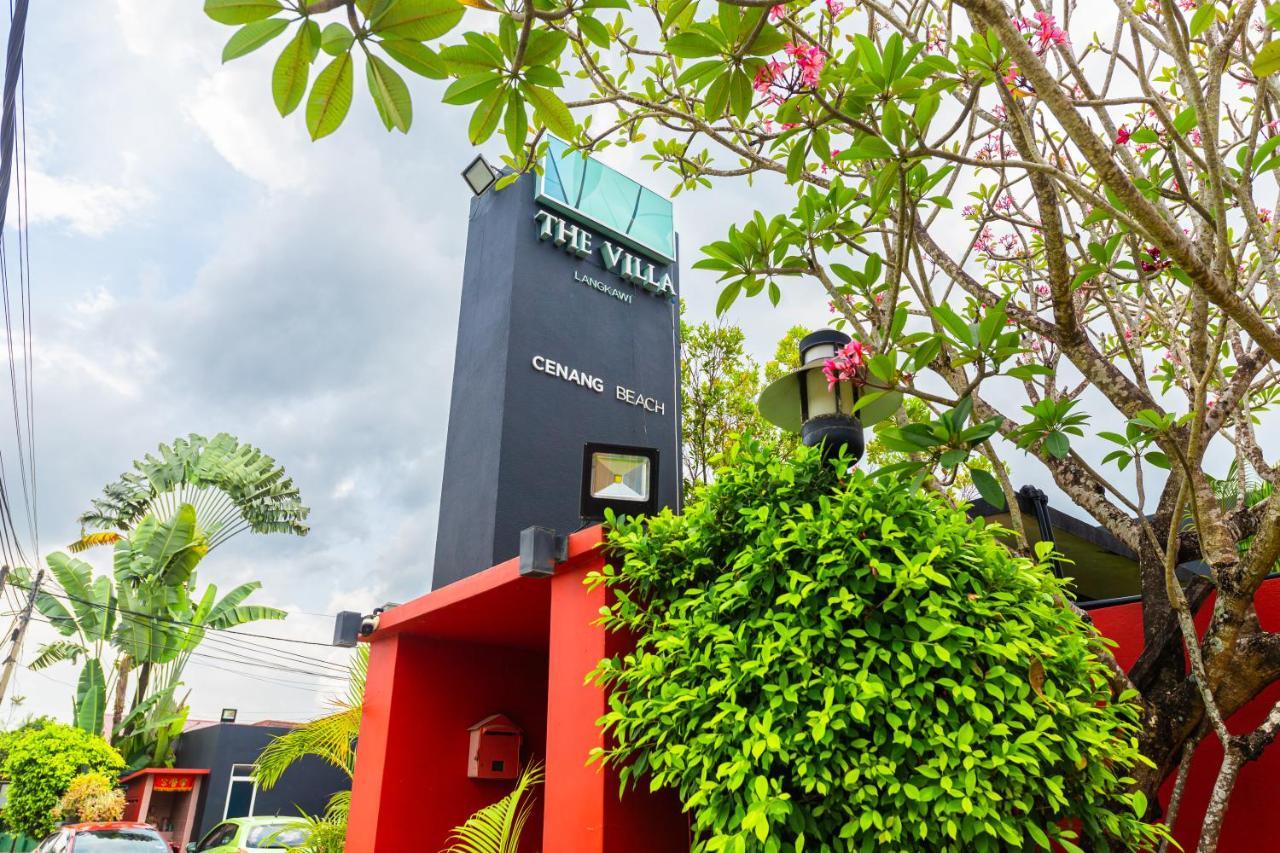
(40,766)
(835,662)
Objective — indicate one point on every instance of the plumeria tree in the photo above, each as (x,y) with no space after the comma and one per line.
(1038,220)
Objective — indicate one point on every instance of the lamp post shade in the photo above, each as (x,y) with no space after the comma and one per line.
(801,401)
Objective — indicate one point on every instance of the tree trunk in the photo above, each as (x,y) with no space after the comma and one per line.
(144,681)
(122,688)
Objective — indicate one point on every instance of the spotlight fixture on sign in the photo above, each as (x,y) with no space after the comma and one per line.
(618,477)
(479,175)
(228,715)
(833,416)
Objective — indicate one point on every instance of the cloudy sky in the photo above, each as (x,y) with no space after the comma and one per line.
(199,265)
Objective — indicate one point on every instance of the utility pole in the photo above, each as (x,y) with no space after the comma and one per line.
(18,634)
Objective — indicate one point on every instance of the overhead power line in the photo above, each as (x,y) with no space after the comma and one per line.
(12,106)
(168,621)
(214,634)
(262,662)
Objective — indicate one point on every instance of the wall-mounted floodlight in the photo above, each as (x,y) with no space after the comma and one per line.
(804,402)
(479,175)
(619,477)
(228,715)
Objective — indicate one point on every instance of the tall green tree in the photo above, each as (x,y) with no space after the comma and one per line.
(141,624)
(719,383)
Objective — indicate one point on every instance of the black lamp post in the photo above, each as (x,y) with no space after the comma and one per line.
(803,401)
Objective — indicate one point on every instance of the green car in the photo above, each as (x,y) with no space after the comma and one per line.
(250,833)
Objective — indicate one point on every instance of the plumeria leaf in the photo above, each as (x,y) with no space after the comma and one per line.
(330,98)
(252,36)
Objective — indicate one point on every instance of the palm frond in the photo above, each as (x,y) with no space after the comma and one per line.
(357,674)
(90,540)
(56,652)
(233,486)
(330,737)
(497,828)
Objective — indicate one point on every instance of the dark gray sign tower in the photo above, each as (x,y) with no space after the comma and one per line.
(568,334)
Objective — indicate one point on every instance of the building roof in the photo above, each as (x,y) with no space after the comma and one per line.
(166,771)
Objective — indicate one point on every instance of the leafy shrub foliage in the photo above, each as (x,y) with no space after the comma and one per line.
(40,766)
(92,797)
(836,662)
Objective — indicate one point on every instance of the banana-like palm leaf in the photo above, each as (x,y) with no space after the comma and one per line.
(92,601)
(497,828)
(172,546)
(91,540)
(56,652)
(233,487)
(144,630)
(228,612)
(91,698)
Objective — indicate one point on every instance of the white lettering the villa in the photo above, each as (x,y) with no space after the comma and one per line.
(577,241)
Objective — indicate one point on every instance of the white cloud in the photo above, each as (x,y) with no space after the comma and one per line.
(246,130)
(87,207)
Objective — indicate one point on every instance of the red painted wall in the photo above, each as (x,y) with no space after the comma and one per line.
(1251,824)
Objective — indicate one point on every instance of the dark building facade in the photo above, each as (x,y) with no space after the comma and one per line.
(568,334)
(228,751)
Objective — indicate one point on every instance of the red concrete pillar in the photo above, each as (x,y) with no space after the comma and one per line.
(583,811)
(384,746)
(575,792)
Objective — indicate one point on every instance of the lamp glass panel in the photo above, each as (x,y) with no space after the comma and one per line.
(478,176)
(620,477)
(845,390)
(822,401)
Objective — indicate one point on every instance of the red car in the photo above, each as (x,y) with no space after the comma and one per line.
(112,837)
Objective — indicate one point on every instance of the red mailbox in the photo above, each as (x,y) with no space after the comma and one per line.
(495,749)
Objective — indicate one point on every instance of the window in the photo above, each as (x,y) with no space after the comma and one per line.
(242,790)
(119,841)
(55,843)
(218,836)
(275,835)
